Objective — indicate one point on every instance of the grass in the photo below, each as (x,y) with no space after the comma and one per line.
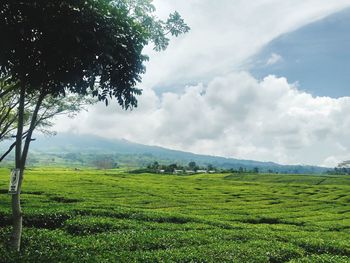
(114,216)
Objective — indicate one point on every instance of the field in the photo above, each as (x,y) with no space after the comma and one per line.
(114,216)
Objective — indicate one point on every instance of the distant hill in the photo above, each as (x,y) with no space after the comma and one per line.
(84,150)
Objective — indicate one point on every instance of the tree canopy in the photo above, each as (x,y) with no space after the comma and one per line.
(61,46)
(73,46)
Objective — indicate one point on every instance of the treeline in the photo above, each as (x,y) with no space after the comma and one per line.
(342,168)
(339,171)
(149,161)
(190,168)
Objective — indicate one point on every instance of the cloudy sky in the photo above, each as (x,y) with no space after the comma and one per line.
(264,80)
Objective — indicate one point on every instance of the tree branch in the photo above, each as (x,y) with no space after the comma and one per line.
(12,146)
(2,94)
(31,128)
(8,151)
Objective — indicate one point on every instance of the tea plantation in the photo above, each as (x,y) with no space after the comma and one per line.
(115,216)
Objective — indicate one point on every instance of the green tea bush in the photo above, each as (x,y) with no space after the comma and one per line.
(322,258)
(92,225)
(115,216)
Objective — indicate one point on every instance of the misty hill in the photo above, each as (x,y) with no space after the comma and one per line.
(84,150)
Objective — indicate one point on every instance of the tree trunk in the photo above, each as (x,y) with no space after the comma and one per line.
(31,129)
(17,217)
(16,202)
(21,158)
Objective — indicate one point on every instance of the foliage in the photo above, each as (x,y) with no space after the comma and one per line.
(51,107)
(8,108)
(193,166)
(63,46)
(114,216)
(343,168)
(156,30)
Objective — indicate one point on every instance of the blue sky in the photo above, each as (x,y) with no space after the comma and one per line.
(317,56)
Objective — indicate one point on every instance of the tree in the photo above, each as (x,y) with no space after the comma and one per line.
(153,166)
(343,167)
(192,166)
(210,167)
(171,168)
(8,106)
(54,48)
(51,107)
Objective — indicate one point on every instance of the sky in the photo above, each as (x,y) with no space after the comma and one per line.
(261,80)
(317,56)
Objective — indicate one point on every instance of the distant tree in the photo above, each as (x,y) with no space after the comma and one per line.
(256,170)
(154,166)
(343,167)
(171,168)
(210,167)
(193,166)
(240,170)
(56,48)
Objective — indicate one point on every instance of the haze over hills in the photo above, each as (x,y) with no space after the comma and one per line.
(84,150)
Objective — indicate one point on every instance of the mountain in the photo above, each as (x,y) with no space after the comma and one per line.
(86,150)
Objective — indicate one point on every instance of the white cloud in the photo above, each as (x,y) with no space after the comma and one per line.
(234,116)
(273,59)
(224,34)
